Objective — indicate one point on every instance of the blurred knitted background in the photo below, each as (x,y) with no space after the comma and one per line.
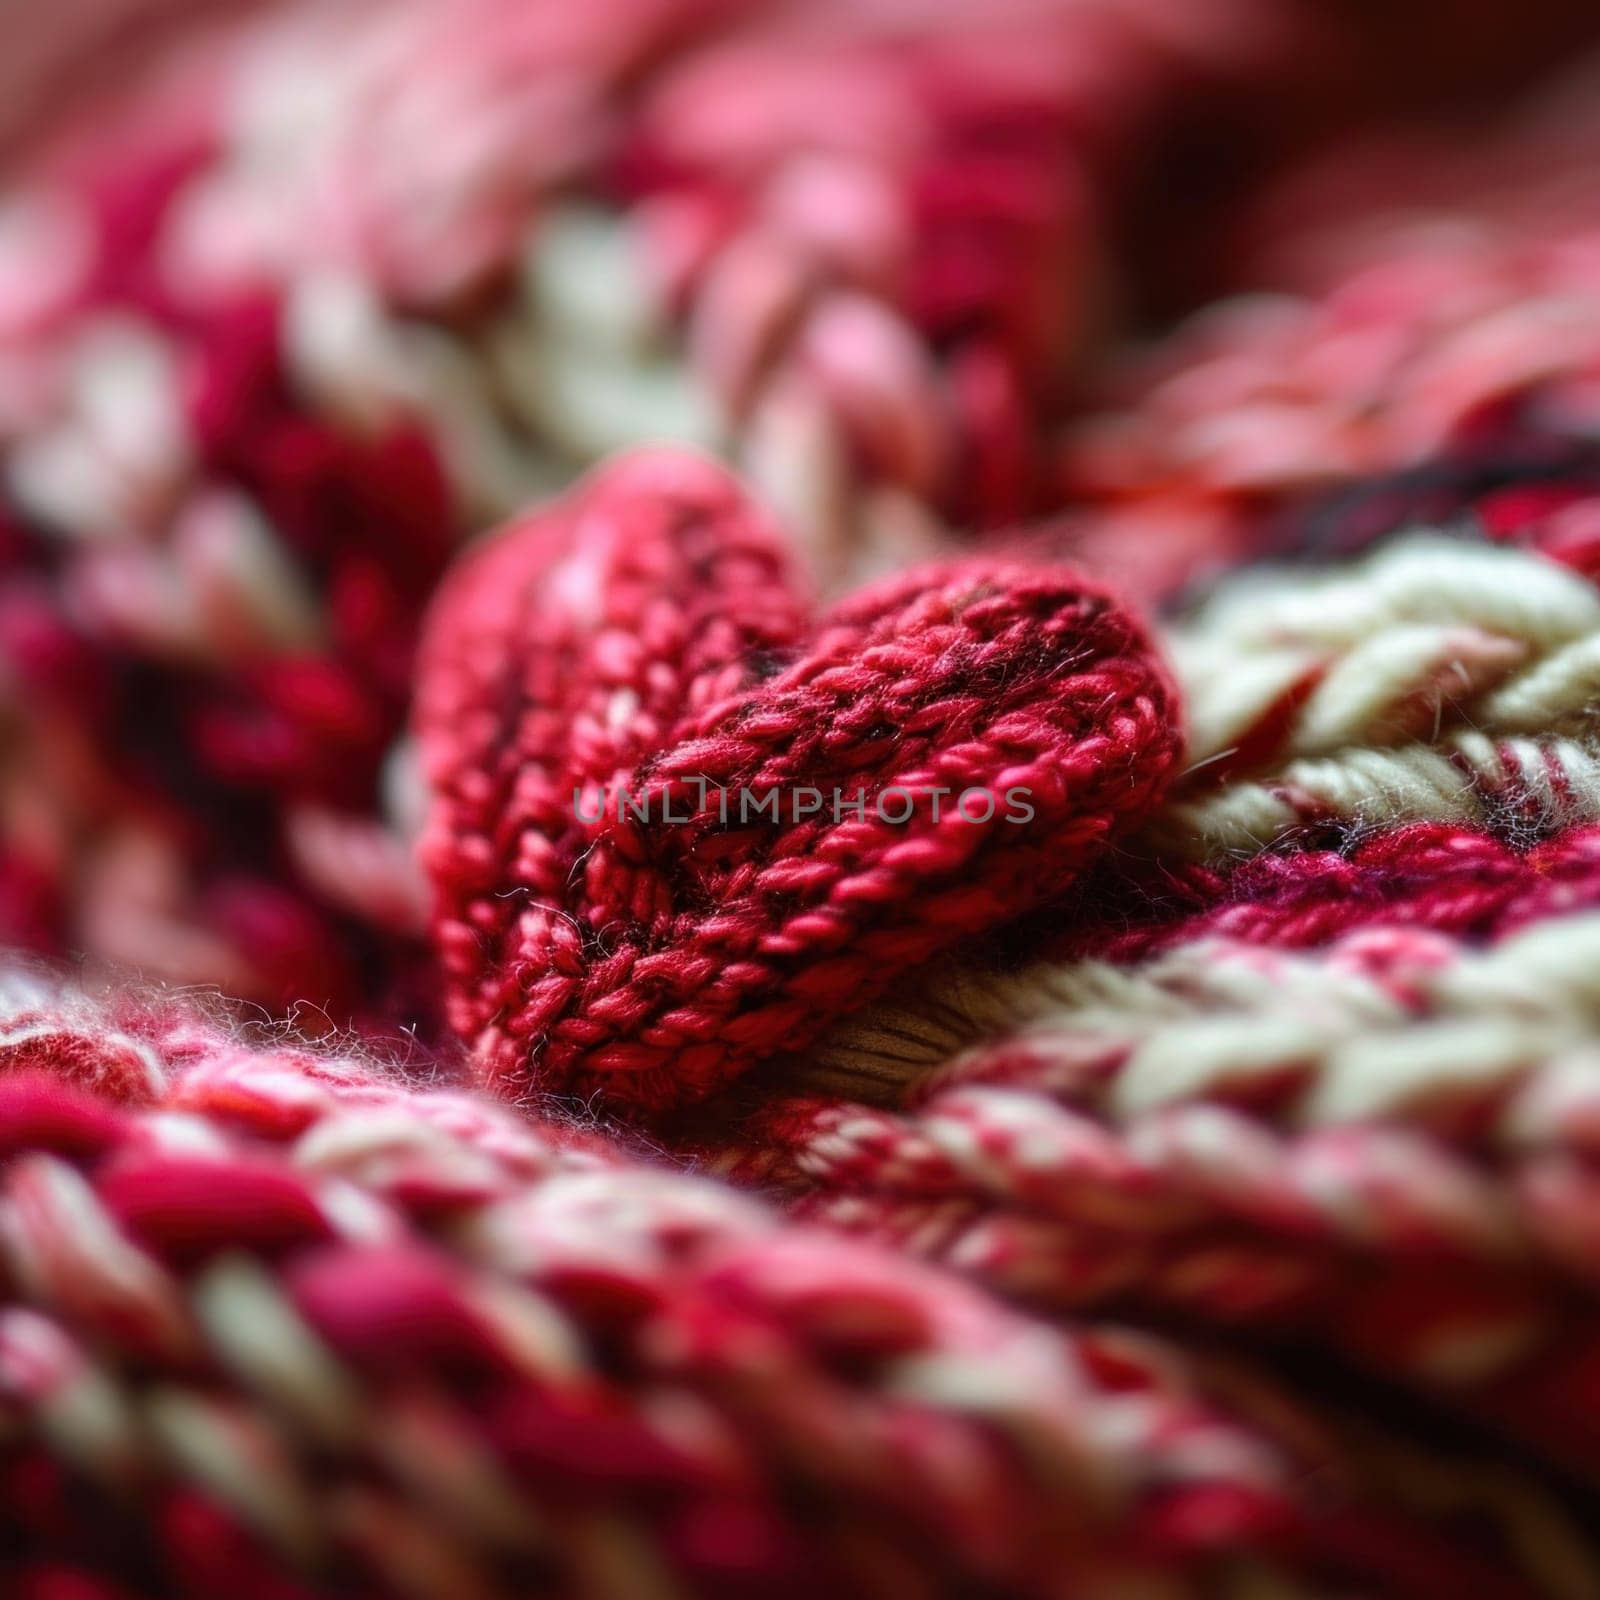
(1236,366)
(295,300)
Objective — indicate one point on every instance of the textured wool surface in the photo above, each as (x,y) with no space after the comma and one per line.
(523,531)
(279,1323)
(372,275)
(1333,1085)
(639,641)
(1381,1147)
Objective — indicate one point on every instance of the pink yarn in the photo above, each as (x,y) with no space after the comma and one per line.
(1464,881)
(275,1323)
(1421,347)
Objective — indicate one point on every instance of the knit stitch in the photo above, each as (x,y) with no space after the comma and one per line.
(372,275)
(860,966)
(1224,1130)
(642,637)
(280,1324)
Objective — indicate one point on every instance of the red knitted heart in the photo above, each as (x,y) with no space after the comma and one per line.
(638,647)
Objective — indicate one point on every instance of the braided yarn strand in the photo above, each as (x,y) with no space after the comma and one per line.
(1385,1146)
(1436,681)
(1377,1145)
(639,637)
(282,1325)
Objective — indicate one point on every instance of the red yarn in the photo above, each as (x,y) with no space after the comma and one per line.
(643,635)
(274,1324)
(876,231)
(1469,882)
(279,1324)
(177,746)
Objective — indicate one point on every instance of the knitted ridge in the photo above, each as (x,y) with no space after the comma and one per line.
(1377,1147)
(1434,681)
(1383,1147)
(640,639)
(1401,738)
(373,275)
(1465,881)
(275,1323)
(1406,735)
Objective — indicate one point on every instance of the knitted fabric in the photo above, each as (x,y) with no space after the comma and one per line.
(1382,1148)
(640,642)
(1377,1150)
(275,1323)
(1378,1146)
(1420,345)
(374,276)
(922,1081)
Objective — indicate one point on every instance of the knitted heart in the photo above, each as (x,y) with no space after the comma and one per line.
(619,692)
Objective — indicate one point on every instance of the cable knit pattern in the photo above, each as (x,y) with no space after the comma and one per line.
(892,1092)
(291,1327)
(641,638)
(1384,1146)
(1377,1147)
(1437,681)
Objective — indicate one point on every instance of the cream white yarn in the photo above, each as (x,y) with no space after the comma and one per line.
(1440,680)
